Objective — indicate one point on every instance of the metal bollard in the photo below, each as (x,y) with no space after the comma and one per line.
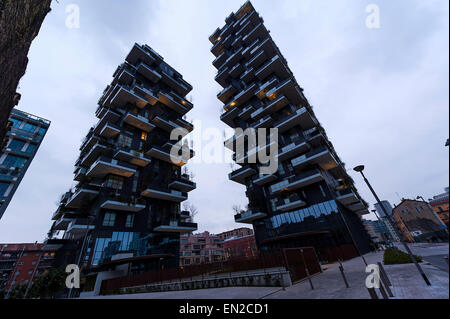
(343,276)
(383,273)
(373,293)
(383,292)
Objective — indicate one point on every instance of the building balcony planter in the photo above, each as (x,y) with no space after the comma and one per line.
(221,76)
(63,222)
(301,117)
(177,227)
(138,121)
(164,194)
(347,197)
(182,184)
(108,117)
(229,115)
(273,106)
(78,228)
(83,195)
(273,66)
(105,166)
(165,124)
(226,93)
(264,179)
(139,54)
(320,156)
(171,102)
(241,174)
(117,204)
(148,73)
(293,149)
(165,155)
(299,181)
(290,204)
(123,95)
(177,84)
(131,156)
(89,158)
(248,217)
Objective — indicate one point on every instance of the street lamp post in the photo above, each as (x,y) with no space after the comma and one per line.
(360,169)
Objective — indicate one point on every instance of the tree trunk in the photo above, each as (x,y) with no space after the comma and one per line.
(20,21)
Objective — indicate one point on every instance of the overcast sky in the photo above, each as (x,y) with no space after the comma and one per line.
(381,94)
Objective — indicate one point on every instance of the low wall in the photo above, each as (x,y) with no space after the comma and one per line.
(274,277)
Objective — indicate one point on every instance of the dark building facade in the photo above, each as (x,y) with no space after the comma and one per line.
(23,138)
(130,180)
(310,200)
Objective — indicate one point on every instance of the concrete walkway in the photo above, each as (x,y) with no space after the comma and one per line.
(407,282)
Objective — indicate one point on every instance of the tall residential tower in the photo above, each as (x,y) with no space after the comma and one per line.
(23,138)
(311,200)
(126,205)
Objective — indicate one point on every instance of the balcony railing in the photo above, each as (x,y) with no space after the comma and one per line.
(176,226)
(104,166)
(248,217)
(164,194)
(298,181)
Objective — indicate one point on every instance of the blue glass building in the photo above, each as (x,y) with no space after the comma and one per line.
(24,137)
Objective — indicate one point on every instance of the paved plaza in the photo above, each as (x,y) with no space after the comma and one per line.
(406,280)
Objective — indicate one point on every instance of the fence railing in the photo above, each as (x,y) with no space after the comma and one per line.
(262,261)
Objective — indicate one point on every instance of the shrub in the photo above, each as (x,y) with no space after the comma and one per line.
(396,256)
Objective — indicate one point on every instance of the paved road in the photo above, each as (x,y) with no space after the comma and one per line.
(437,261)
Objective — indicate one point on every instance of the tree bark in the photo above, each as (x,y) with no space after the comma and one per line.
(20,21)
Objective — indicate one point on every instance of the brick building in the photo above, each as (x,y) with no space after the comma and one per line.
(20,263)
(244,246)
(418,222)
(440,206)
(200,248)
(238,232)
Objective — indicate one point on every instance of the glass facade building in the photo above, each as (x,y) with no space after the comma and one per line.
(130,181)
(310,200)
(24,137)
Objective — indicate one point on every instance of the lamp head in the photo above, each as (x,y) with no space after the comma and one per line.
(359,168)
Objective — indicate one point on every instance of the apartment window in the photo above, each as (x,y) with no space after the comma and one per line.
(16,123)
(197,247)
(3,188)
(187,261)
(30,272)
(130,220)
(34,262)
(144,136)
(16,145)
(135,181)
(30,149)
(42,131)
(15,161)
(124,141)
(115,182)
(109,219)
(30,127)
